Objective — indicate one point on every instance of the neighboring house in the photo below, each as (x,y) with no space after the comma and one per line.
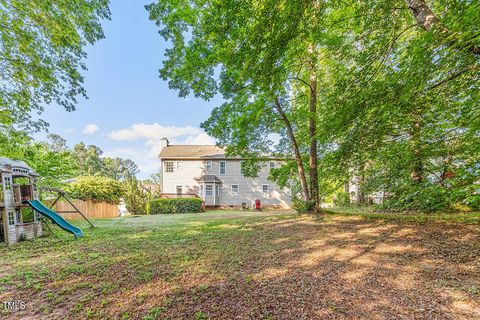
(206,172)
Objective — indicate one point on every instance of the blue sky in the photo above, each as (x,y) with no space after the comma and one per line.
(129,107)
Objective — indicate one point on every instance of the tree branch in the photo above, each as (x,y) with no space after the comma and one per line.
(427,20)
(453,76)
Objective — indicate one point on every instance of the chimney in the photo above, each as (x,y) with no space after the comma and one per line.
(164,142)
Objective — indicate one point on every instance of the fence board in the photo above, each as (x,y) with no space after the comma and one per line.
(89,208)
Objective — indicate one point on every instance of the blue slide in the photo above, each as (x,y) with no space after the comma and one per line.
(55,217)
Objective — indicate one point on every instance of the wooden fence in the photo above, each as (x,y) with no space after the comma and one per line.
(89,208)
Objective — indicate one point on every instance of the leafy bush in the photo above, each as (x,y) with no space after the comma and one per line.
(136,197)
(95,188)
(343,199)
(302,206)
(429,197)
(174,205)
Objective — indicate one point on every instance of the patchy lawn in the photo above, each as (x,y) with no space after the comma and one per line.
(248,266)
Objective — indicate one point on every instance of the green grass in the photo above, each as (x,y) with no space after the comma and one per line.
(369,213)
(180,265)
(136,249)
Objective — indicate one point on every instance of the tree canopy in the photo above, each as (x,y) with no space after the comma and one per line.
(384,94)
(42,57)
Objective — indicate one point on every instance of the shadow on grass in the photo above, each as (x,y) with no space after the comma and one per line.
(260,268)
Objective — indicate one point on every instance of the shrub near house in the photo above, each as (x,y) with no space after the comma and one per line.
(174,205)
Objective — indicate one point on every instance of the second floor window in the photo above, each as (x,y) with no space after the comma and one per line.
(168,166)
(208,165)
(223,167)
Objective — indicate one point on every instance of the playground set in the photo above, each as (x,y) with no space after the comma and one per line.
(22,215)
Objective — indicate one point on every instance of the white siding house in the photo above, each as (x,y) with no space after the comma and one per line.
(205,171)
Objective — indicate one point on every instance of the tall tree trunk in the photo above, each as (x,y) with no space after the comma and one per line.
(314,192)
(447,172)
(427,20)
(416,146)
(360,182)
(295,148)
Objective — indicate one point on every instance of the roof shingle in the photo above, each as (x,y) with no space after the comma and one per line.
(192,152)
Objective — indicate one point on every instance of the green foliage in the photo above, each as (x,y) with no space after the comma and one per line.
(302,206)
(174,205)
(397,98)
(27,215)
(42,56)
(342,199)
(136,196)
(90,162)
(52,166)
(98,189)
(428,197)
(50,159)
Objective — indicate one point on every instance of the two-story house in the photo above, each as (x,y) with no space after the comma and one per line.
(206,171)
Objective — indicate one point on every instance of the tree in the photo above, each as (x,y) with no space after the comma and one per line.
(51,160)
(57,143)
(405,101)
(383,92)
(136,197)
(118,168)
(91,163)
(260,48)
(42,56)
(52,166)
(88,159)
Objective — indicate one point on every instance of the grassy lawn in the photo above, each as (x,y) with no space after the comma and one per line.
(240,265)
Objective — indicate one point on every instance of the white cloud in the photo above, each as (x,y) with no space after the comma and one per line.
(90,128)
(152,132)
(202,138)
(146,156)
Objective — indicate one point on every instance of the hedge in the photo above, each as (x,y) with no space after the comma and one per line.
(95,188)
(174,205)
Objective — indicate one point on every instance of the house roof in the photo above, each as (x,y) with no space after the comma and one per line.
(192,152)
(209,178)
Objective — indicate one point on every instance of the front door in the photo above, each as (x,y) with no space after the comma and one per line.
(209,195)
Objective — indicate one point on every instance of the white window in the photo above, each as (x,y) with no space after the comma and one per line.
(223,167)
(201,190)
(11,218)
(265,188)
(168,166)
(209,190)
(208,165)
(235,188)
(8,183)
(179,165)
(272,165)
(217,190)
